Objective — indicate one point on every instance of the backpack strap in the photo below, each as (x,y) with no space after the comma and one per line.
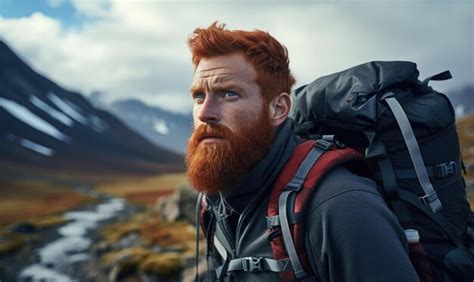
(310,163)
(441,170)
(199,216)
(445,75)
(206,221)
(430,198)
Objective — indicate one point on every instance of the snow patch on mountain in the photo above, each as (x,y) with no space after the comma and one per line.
(459,110)
(26,116)
(51,111)
(43,150)
(74,111)
(66,107)
(161,127)
(98,125)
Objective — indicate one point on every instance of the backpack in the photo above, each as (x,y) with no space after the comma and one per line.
(408,135)
(382,116)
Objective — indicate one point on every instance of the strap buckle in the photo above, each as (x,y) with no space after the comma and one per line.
(428,199)
(252,264)
(432,201)
(295,183)
(324,144)
(445,169)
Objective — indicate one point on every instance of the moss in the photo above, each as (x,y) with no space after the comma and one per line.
(167,264)
(169,234)
(11,242)
(113,233)
(129,256)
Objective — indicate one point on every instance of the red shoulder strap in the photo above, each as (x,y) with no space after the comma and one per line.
(329,159)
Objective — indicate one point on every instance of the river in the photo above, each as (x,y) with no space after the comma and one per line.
(63,253)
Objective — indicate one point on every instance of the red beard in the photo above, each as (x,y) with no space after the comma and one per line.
(218,166)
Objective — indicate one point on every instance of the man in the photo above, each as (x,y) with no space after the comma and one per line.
(241,142)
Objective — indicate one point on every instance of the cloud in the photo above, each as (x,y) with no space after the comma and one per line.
(92,8)
(138,49)
(55,3)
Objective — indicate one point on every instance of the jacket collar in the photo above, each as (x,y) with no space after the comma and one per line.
(262,176)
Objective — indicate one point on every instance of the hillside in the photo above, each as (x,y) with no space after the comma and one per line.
(46,129)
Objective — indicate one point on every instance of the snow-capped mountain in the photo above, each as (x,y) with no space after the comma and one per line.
(44,125)
(164,128)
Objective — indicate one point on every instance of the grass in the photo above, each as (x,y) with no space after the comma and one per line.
(167,264)
(144,190)
(30,201)
(153,231)
(162,250)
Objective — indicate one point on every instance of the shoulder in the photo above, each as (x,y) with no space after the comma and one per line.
(348,217)
(341,185)
(343,200)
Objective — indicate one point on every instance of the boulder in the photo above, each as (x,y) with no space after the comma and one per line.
(180,205)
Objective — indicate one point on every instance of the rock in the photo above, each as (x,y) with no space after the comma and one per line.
(102,248)
(125,262)
(180,205)
(129,240)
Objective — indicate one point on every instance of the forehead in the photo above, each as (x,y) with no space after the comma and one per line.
(227,68)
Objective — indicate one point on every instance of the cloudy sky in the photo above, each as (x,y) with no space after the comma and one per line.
(138,48)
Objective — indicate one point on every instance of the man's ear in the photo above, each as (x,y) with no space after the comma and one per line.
(279,108)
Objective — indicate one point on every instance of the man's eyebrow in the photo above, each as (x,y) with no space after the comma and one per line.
(217,86)
(227,86)
(195,88)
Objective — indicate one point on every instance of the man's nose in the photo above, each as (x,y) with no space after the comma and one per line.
(209,112)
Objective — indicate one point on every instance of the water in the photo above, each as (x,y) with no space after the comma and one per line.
(56,258)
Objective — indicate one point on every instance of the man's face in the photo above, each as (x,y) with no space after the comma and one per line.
(231,121)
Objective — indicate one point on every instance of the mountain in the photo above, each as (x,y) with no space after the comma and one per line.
(163,128)
(463,100)
(44,126)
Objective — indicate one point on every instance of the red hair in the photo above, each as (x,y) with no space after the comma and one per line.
(264,52)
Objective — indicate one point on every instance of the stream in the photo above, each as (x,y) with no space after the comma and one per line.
(63,253)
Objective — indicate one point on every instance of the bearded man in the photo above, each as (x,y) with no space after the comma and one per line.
(241,142)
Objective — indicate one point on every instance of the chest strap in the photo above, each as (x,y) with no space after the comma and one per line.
(256,264)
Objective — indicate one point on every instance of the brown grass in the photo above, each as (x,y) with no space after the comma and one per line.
(147,198)
(178,234)
(144,190)
(167,264)
(31,200)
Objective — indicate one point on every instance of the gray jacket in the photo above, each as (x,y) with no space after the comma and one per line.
(351,234)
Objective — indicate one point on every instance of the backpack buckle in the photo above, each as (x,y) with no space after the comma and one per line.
(323,144)
(445,169)
(252,264)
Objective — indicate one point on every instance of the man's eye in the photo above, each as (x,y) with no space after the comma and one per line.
(199,96)
(230,94)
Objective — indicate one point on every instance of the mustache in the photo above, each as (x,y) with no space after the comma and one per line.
(211,130)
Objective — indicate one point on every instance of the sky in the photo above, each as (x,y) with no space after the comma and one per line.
(137,49)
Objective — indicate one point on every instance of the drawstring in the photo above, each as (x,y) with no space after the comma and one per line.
(224,210)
